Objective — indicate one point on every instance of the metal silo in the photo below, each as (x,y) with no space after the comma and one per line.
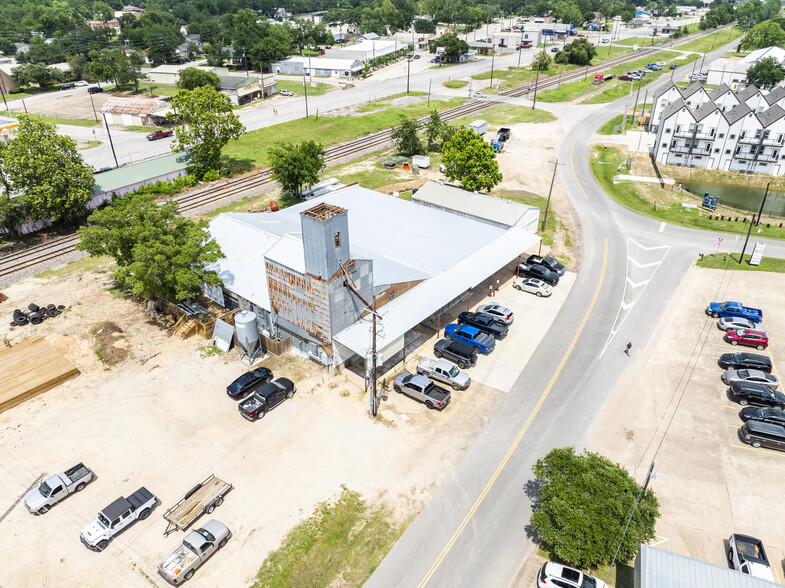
(247,334)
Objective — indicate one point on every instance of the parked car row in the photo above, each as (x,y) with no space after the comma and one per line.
(260,392)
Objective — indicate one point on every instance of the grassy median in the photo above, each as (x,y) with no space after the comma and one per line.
(731,262)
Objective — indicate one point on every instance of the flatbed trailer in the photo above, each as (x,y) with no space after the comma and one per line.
(202,498)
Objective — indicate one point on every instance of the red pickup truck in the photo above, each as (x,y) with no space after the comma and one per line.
(159,134)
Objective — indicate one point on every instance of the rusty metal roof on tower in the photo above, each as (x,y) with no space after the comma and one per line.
(323,211)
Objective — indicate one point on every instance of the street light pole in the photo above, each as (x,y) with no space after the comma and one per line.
(305,87)
(760,213)
(536,79)
(493,59)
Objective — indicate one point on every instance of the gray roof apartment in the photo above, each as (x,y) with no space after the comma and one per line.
(771,115)
(748,93)
(704,110)
(719,91)
(775,95)
(691,89)
(673,108)
(737,112)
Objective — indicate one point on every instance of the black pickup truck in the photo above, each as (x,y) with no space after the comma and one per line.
(484,322)
(538,271)
(459,353)
(547,262)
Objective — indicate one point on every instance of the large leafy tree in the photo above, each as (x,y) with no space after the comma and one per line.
(583,506)
(568,12)
(579,52)
(159,254)
(296,166)
(453,46)
(46,172)
(35,73)
(192,77)
(765,73)
(765,34)
(437,131)
(541,62)
(470,160)
(406,136)
(208,125)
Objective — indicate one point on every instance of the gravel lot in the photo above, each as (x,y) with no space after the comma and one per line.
(74,103)
(154,413)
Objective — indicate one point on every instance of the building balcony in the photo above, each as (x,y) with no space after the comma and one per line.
(680,149)
(691,135)
(768,157)
(747,156)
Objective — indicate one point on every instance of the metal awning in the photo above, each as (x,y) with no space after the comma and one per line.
(416,305)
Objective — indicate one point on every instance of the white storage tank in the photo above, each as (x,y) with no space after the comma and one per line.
(247,330)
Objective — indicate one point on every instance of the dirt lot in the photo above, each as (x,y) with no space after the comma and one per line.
(64,104)
(149,409)
(710,484)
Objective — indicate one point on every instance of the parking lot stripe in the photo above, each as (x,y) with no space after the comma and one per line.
(527,424)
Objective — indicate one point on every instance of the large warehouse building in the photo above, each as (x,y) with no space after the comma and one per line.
(311,271)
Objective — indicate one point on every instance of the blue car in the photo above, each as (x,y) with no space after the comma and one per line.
(470,336)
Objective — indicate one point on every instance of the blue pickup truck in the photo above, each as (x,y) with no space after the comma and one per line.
(471,336)
(735,309)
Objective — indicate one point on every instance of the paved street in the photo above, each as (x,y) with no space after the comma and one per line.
(474,530)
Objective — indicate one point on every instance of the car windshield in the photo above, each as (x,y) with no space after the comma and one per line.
(103,521)
(589,582)
(454,372)
(744,374)
(206,534)
(279,385)
(724,305)
(549,261)
(738,357)
(45,489)
(189,546)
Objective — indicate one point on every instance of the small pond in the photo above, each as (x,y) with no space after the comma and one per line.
(741,197)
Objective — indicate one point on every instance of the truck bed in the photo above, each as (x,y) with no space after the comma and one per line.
(182,514)
(77,472)
(140,497)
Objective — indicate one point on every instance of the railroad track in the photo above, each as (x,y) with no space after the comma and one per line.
(17,261)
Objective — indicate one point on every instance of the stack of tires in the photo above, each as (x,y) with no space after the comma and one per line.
(35,314)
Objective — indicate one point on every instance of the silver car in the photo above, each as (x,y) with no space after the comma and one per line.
(498,311)
(732,323)
(730,376)
(532,285)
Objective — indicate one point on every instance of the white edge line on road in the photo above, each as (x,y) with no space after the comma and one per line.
(662,226)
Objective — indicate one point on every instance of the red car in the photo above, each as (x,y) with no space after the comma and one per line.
(747,337)
(159,134)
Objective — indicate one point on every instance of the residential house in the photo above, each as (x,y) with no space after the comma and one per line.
(724,97)
(693,96)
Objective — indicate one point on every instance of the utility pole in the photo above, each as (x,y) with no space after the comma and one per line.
(111,144)
(637,95)
(408,68)
(374,407)
(4,102)
(429,92)
(93,105)
(520,49)
(536,79)
(760,213)
(556,164)
(493,58)
(714,39)
(305,87)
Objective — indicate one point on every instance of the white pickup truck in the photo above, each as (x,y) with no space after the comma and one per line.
(443,371)
(197,546)
(746,554)
(116,517)
(57,487)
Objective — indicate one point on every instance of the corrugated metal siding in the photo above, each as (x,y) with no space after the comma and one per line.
(138,173)
(655,568)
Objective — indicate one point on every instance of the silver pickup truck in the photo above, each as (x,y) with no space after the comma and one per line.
(57,487)
(180,565)
(422,389)
(438,369)
(116,517)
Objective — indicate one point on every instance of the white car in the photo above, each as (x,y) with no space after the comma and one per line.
(498,311)
(660,63)
(553,575)
(286,93)
(605,41)
(532,285)
(480,95)
(732,323)
(81,83)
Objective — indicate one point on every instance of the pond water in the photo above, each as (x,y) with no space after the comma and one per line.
(741,197)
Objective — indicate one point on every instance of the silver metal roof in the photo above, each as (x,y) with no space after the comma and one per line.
(451,197)
(662,569)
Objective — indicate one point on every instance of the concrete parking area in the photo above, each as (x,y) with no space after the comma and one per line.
(151,410)
(672,407)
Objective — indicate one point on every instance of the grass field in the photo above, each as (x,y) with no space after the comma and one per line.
(604,162)
(386,101)
(76,122)
(157,89)
(340,544)
(296,87)
(455,84)
(641,41)
(503,114)
(709,42)
(250,150)
(631,125)
(731,262)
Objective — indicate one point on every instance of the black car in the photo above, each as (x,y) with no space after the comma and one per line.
(249,382)
(68,86)
(538,271)
(760,434)
(94,90)
(266,398)
(763,414)
(459,353)
(745,361)
(758,394)
(673,66)
(547,262)
(487,323)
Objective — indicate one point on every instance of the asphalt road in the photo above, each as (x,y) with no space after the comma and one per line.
(474,532)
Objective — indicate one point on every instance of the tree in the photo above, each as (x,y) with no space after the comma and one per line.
(406,136)
(541,62)
(437,131)
(78,66)
(423,26)
(159,254)
(209,124)
(765,34)
(579,52)
(216,55)
(583,506)
(471,160)
(46,172)
(35,73)
(296,166)
(453,46)
(568,12)
(193,77)
(765,73)
(135,62)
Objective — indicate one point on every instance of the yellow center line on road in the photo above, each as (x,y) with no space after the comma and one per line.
(523,430)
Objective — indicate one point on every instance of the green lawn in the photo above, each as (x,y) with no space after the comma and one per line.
(157,89)
(455,84)
(297,87)
(90,145)
(631,125)
(76,122)
(710,42)
(619,89)
(340,544)
(731,262)
(604,162)
(386,101)
(251,148)
(641,41)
